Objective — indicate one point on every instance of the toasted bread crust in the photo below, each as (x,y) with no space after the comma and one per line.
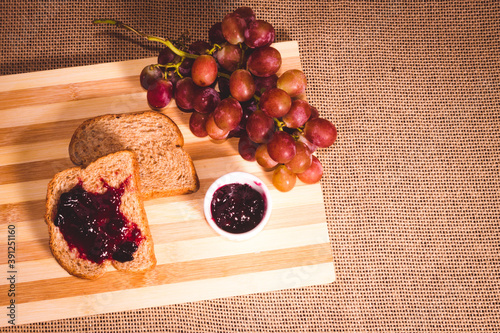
(113,169)
(165,168)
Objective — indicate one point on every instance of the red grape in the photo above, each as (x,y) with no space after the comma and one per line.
(149,75)
(206,100)
(292,81)
(223,85)
(259,34)
(313,174)
(185,92)
(314,112)
(281,147)
(299,113)
(173,77)
(215,34)
(213,130)
(263,159)
(248,108)
(302,159)
(264,61)
(264,83)
(247,148)
(229,57)
(185,66)
(275,102)
(320,132)
(159,94)
(227,114)
(283,179)
(204,70)
(233,28)
(301,138)
(167,56)
(197,122)
(199,47)
(246,13)
(241,85)
(260,127)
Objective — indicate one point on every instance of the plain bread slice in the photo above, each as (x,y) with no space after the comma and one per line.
(165,168)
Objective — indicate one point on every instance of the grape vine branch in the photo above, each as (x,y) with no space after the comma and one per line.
(162,40)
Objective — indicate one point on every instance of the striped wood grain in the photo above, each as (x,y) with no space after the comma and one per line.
(39,112)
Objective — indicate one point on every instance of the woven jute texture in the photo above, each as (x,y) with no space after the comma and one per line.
(411,187)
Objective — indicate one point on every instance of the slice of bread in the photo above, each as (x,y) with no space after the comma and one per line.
(115,170)
(165,168)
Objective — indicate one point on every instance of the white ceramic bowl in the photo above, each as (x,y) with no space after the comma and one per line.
(241,178)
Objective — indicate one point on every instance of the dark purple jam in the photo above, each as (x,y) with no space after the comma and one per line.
(237,208)
(93,224)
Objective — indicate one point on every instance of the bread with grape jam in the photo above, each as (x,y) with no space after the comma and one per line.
(165,168)
(110,182)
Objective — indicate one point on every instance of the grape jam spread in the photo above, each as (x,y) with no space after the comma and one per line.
(93,224)
(237,208)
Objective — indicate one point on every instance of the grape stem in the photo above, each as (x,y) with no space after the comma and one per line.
(280,124)
(215,48)
(243,48)
(174,66)
(164,41)
(224,75)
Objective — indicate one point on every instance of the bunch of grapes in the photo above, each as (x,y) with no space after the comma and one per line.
(231,88)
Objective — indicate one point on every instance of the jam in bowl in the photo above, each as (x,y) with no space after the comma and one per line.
(237,205)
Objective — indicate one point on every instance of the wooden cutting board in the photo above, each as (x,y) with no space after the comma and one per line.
(39,112)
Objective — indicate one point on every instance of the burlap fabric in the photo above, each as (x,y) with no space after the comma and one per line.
(412,185)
